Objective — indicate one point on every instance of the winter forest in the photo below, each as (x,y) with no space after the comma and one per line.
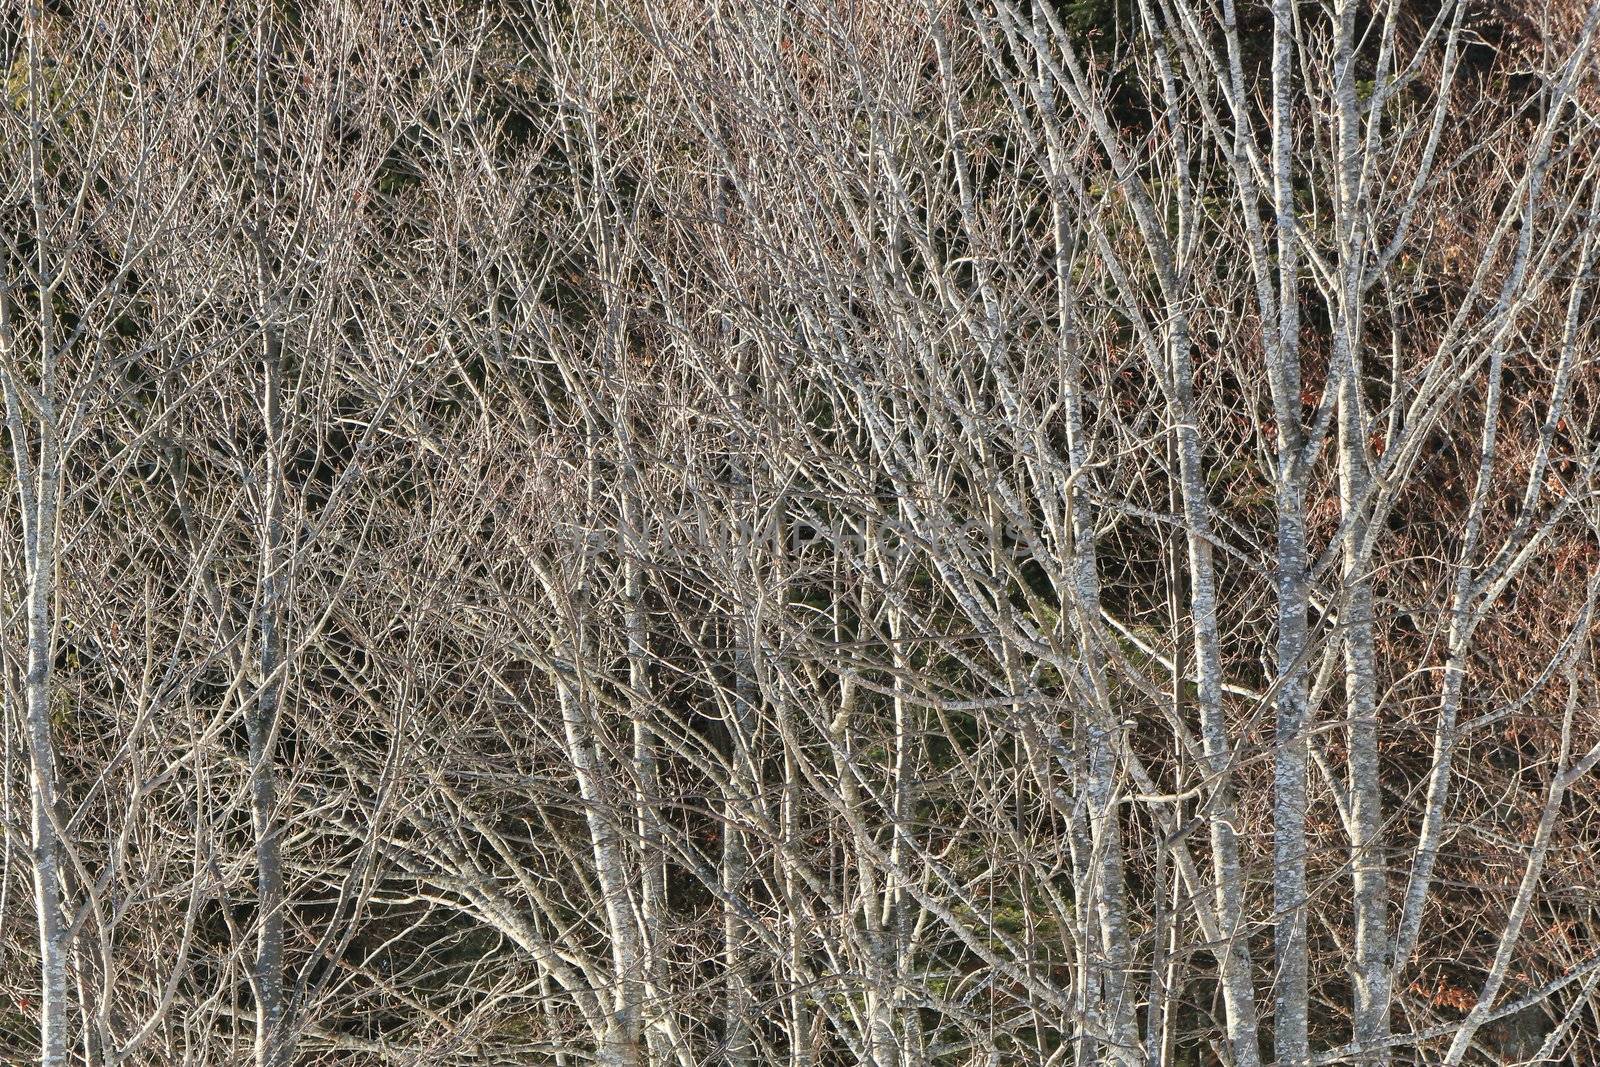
(800,533)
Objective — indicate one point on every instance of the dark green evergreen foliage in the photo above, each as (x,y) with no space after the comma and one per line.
(1098,24)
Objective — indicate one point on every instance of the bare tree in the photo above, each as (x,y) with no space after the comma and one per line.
(728,533)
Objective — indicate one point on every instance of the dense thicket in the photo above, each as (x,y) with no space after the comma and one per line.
(809,532)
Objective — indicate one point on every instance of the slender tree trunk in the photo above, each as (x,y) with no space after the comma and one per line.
(738,995)
(262,714)
(1291,1040)
(54,947)
(1370,881)
(261,722)
(53,941)
(39,491)
(1234,956)
(1370,1010)
(1288,797)
(739,1001)
(618,1044)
